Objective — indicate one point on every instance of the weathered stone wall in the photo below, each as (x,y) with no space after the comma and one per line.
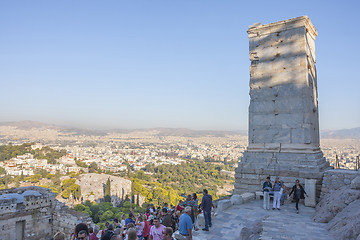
(65,219)
(38,211)
(283,111)
(335,179)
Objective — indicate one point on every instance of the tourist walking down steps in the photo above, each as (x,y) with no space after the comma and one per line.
(298,191)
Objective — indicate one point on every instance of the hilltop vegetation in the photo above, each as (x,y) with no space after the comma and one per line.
(161,183)
(12,151)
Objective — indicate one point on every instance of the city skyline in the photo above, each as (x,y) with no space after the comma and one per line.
(160,64)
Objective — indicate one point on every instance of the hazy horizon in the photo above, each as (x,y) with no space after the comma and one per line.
(146,128)
(130,65)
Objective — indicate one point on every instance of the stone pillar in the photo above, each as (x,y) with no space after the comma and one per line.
(283,111)
(310,189)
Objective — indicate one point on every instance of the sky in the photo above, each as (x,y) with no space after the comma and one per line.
(144,64)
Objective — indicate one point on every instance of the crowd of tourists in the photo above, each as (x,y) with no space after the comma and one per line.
(279,192)
(154,224)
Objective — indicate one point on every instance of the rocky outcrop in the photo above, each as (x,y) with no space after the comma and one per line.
(334,203)
(93,186)
(355,183)
(252,232)
(346,224)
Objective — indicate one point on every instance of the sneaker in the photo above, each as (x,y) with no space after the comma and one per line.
(196,229)
(278,209)
(297,211)
(273,208)
(205,229)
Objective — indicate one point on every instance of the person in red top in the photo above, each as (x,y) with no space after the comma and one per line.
(179,206)
(95,232)
(146,230)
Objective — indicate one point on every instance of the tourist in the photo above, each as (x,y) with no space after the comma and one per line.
(104,230)
(152,208)
(277,189)
(140,225)
(167,219)
(116,237)
(127,229)
(266,189)
(156,230)
(132,234)
(116,223)
(206,205)
(195,201)
(185,225)
(59,236)
(123,218)
(167,233)
(179,207)
(83,235)
(130,218)
(166,206)
(146,229)
(109,233)
(298,191)
(78,228)
(283,194)
(93,236)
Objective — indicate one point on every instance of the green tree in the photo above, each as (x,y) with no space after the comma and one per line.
(108,191)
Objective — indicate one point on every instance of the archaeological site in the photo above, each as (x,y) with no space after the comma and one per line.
(283,141)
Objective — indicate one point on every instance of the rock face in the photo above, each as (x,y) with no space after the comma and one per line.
(355,183)
(335,179)
(334,203)
(346,224)
(93,186)
(283,111)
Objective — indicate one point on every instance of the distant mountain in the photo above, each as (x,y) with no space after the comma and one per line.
(182,132)
(342,133)
(27,124)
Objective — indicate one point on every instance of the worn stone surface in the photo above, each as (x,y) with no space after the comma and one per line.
(223,205)
(345,225)
(355,183)
(247,197)
(236,199)
(284,224)
(283,111)
(333,203)
(251,232)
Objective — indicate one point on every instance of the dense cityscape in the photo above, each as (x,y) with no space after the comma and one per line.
(113,152)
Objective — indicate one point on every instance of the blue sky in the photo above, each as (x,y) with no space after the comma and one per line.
(140,64)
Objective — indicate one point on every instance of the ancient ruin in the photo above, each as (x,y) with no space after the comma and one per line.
(33,213)
(283,111)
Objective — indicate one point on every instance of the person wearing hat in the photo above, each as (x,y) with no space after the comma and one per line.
(185,224)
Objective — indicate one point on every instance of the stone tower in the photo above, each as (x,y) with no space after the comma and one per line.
(283,111)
